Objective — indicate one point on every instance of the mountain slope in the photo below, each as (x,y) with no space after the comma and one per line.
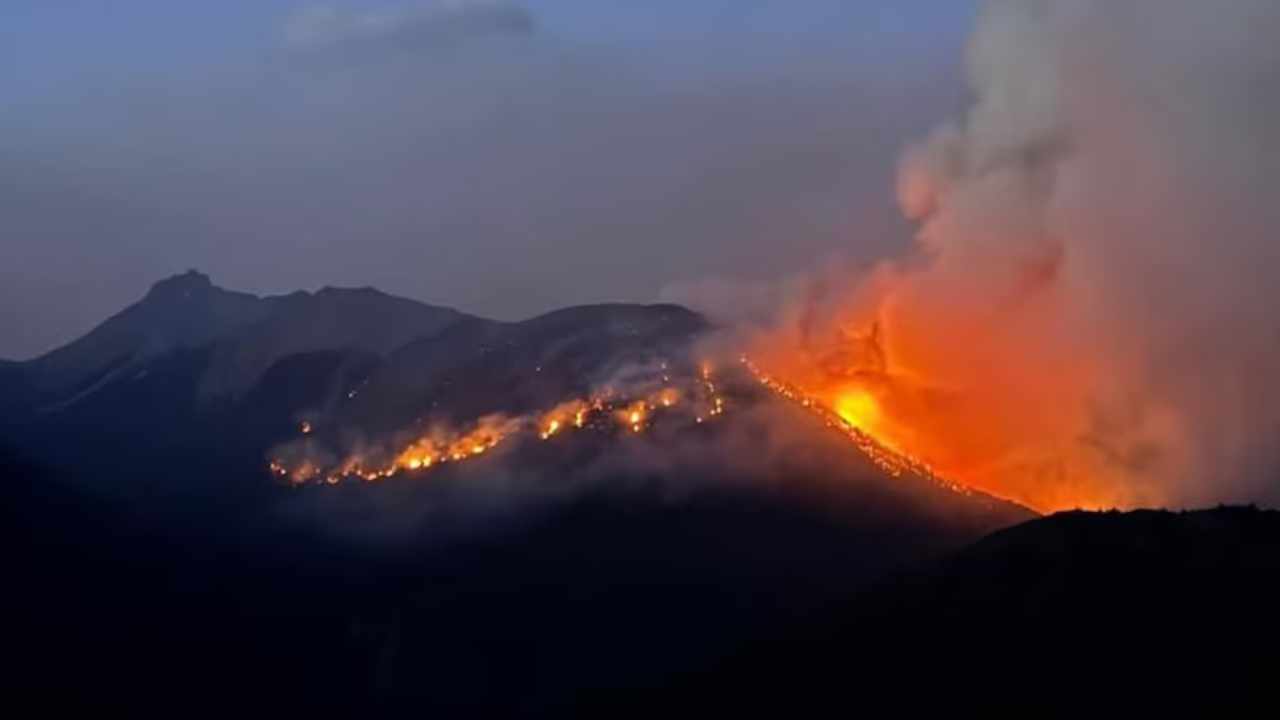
(362,320)
(478,367)
(154,541)
(192,370)
(247,335)
(182,312)
(1144,605)
(621,585)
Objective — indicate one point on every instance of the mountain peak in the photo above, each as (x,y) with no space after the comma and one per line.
(178,287)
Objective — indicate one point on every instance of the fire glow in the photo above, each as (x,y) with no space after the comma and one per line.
(855,413)
(850,422)
(931,388)
(446,445)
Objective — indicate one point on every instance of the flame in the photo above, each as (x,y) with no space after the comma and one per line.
(859,410)
(442,445)
(894,462)
(634,416)
(940,382)
(553,427)
(571,413)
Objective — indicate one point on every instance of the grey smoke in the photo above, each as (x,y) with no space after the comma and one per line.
(1133,148)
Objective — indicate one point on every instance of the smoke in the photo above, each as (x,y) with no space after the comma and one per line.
(1088,316)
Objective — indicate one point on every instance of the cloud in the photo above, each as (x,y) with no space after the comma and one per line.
(333,30)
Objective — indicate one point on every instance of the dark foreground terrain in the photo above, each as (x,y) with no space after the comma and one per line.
(1074,612)
(621,588)
(624,604)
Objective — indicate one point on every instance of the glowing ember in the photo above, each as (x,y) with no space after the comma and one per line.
(552,428)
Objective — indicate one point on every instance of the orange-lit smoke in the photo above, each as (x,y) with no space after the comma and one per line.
(983,401)
(1088,315)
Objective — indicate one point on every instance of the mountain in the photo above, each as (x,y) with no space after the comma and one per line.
(1152,606)
(193,370)
(478,367)
(152,539)
(182,312)
(186,392)
(360,320)
(248,333)
(15,391)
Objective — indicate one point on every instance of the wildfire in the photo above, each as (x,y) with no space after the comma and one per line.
(847,417)
(938,386)
(634,416)
(552,428)
(568,415)
(854,410)
(442,446)
(858,408)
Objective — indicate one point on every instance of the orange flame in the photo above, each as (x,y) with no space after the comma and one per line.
(444,445)
(965,387)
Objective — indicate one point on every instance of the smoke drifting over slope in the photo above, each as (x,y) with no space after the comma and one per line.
(1088,318)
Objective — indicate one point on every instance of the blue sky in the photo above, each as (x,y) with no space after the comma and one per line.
(468,165)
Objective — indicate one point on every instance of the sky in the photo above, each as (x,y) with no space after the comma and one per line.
(499,156)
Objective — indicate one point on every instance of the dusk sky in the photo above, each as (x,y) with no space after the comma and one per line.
(505,158)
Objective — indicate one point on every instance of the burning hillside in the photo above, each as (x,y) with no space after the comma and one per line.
(677,397)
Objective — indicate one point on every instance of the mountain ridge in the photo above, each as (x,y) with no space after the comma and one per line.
(187,363)
(1126,602)
(676,543)
(188,311)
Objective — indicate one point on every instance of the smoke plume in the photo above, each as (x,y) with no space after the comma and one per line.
(1087,318)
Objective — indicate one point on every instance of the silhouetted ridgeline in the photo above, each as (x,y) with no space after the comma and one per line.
(1077,610)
